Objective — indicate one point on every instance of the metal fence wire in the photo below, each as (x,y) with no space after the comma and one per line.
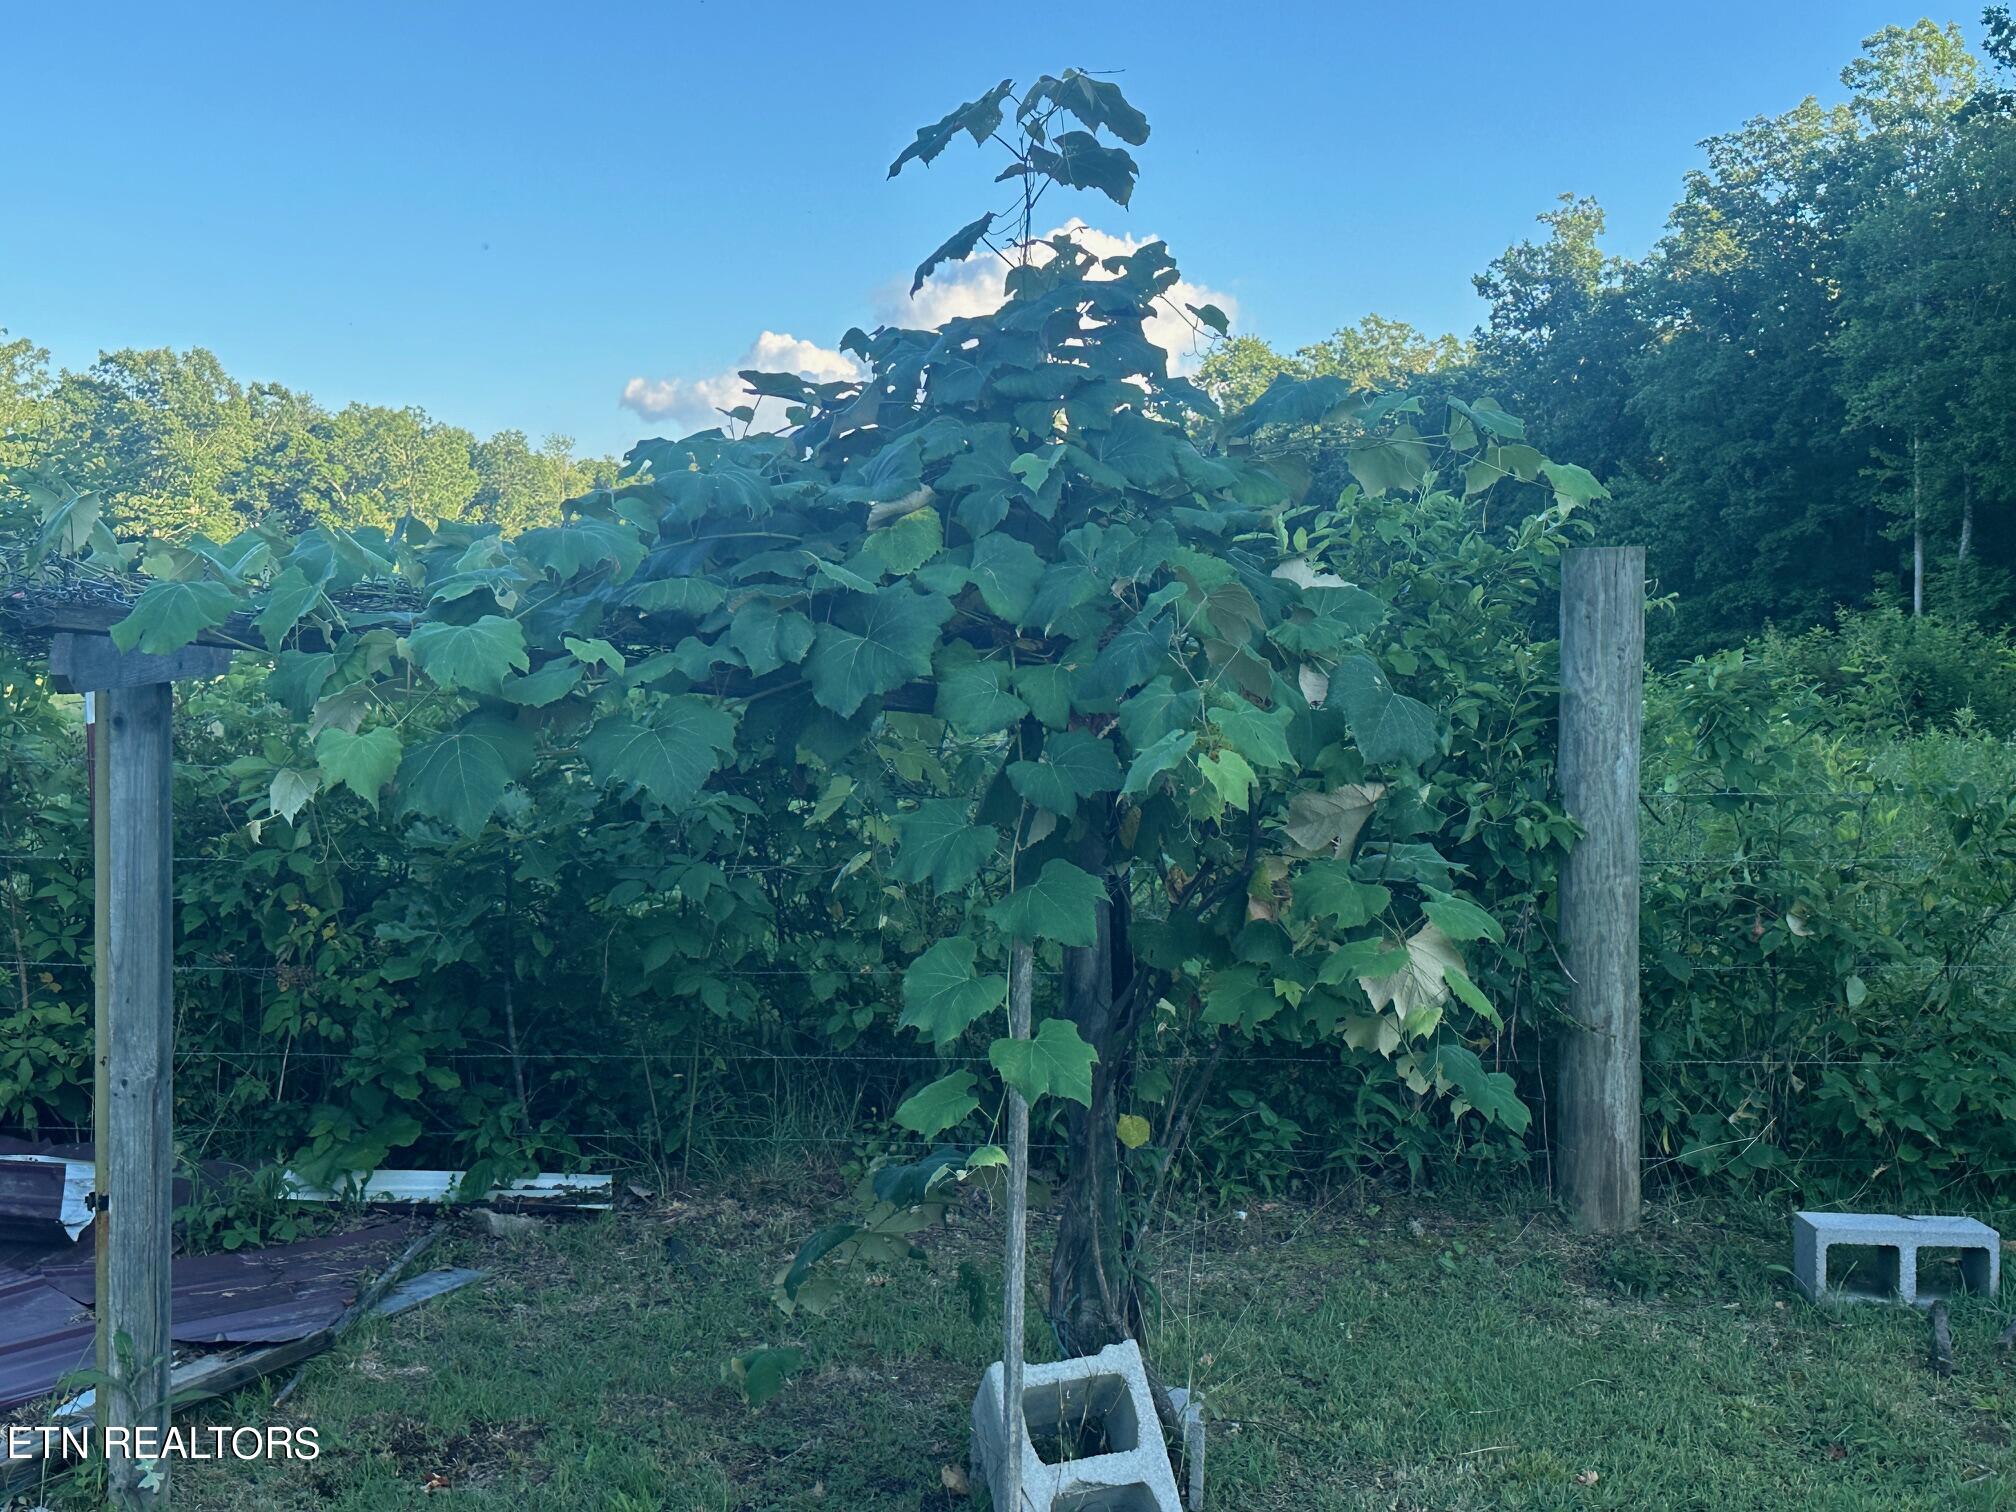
(1772,1033)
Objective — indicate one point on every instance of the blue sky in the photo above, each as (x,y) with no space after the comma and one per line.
(505,212)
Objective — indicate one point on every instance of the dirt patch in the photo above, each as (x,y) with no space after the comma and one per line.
(478,1454)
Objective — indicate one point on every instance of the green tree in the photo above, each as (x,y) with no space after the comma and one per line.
(1559,338)
(369,465)
(24,387)
(163,437)
(1376,354)
(518,488)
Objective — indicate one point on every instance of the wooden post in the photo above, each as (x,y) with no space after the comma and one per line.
(132,839)
(1602,698)
(1014,1288)
(135,1139)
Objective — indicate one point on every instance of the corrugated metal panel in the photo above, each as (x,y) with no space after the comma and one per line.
(42,1197)
(251,1297)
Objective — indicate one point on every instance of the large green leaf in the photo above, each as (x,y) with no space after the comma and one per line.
(941,994)
(973,697)
(1096,102)
(878,644)
(1075,764)
(768,637)
(1125,662)
(1460,919)
(984,477)
(1327,890)
(362,762)
(1046,688)
(1242,995)
(932,1109)
(1054,1060)
(1157,759)
(1006,571)
(954,248)
(1492,1093)
(1151,714)
(289,597)
(1061,904)
(942,845)
(473,657)
(1080,160)
(1138,451)
(670,753)
(977,118)
(168,616)
(290,791)
(551,683)
(1388,726)
(460,776)
(573,548)
(902,546)
(1261,737)
(1389,463)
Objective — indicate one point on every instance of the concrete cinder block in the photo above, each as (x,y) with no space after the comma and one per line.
(1901,1240)
(1107,1393)
(1191,1411)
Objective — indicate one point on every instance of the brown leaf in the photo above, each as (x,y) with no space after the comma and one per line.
(1328,823)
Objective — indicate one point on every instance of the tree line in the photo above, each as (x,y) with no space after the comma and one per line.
(177,447)
(1800,396)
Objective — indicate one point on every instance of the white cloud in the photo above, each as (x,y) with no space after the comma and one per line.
(973,286)
(696,403)
(977,285)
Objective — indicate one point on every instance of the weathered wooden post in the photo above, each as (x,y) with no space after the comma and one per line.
(132,823)
(1602,706)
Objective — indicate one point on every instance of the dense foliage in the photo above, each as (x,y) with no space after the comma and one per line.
(650,820)
(1016,638)
(1799,397)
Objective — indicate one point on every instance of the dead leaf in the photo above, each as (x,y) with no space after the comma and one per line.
(1587,1478)
(1314,683)
(1328,823)
(1298,571)
(953,1479)
(1417,991)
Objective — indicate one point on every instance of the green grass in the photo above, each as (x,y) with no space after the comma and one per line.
(1364,1352)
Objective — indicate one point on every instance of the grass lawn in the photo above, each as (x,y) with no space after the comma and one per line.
(1368,1351)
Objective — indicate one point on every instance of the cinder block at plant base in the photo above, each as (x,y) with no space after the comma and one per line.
(1132,1474)
(1814,1234)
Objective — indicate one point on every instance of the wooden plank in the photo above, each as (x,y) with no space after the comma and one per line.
(133,1123)
(88,663)
(1602,702)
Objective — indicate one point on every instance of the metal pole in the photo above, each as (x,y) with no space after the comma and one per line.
(1021,973)
(1602,700)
